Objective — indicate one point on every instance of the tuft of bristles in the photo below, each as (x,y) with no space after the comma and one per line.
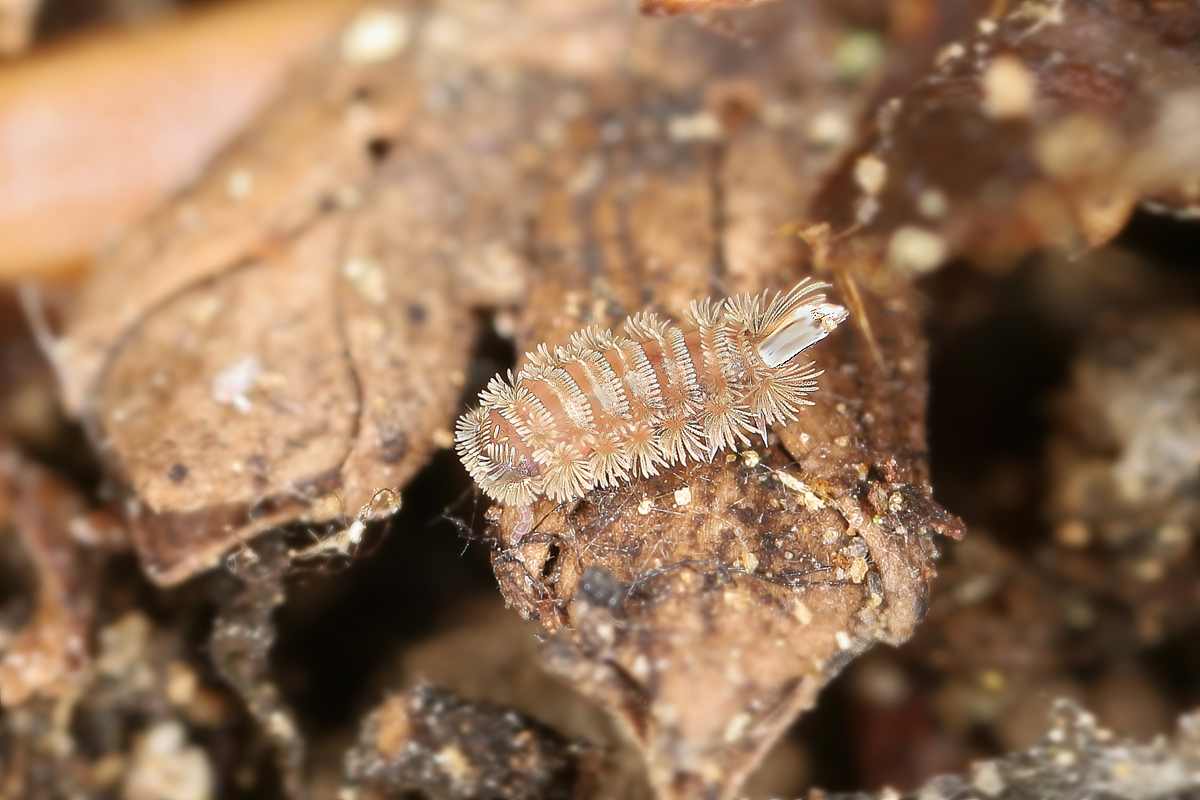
(605,407)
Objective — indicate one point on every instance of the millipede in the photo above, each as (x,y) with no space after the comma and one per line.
(606,408)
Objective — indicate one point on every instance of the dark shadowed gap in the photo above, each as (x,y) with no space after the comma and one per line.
(1175,664)
(339,631)
(1172,243)
(995,362)
(828,739)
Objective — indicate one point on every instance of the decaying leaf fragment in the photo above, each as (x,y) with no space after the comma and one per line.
(1123,468)
(283,339)
(1008,632)
(49,655)
(95,132)
(242,637)
(429,741)
(707,606)
(1076,757)
(1048,125)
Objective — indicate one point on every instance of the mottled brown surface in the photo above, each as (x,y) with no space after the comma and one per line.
(251,200)
(567,164)
(1078,576)
(1123,474)
(1057,118)
(430,741)
(243,634)
(295,261)
(49,655)
(1075,755)
(706,607)
(115,136)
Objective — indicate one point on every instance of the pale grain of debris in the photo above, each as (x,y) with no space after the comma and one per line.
(1073,533)
(368,279)
(870,173)
(1009,88)
(828,129)
(915,251)
(375,35)
(1078,145)
(166,765)
(949,53)
(810,499)
(240,184)
(182,683)
(702,126)
(993,680)
(231,386)
(866,209)
(586,178)
(932,204)
(858,570)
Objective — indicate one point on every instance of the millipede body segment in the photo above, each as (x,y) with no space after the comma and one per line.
(607,407)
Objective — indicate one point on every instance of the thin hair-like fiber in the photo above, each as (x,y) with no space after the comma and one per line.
(607,407)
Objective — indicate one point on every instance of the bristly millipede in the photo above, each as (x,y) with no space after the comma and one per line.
(607,407)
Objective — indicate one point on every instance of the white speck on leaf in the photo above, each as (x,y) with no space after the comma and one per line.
(231,386)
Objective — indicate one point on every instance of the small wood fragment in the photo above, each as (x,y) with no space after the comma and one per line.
(426,740)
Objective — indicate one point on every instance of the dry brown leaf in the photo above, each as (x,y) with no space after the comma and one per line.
(306,160)
(708,606)
(96,131)
(1057,118)
(343,192)
(277,336)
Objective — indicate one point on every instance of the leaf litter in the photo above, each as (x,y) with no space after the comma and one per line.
(706,607)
